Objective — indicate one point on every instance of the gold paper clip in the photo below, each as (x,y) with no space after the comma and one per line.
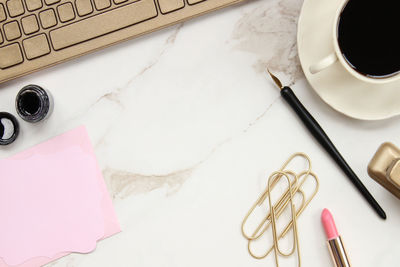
(276,209)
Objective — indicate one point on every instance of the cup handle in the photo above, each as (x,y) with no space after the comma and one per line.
(323,63)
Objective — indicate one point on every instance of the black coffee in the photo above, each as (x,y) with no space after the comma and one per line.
(369,36)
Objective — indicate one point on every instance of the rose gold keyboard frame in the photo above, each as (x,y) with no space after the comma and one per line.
(68,40)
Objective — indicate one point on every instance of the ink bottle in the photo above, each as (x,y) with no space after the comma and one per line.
(33,103)
(9,128)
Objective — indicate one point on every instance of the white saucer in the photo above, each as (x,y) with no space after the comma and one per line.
(335,85)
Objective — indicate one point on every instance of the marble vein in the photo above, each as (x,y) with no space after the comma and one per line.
(261,116)
(115,94)
(123,183)
(269,32)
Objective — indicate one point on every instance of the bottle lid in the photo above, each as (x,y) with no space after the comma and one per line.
(9,128)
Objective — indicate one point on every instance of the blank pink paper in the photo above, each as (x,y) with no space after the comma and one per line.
(53,201)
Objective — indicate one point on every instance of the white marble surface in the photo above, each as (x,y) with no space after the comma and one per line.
(186,127)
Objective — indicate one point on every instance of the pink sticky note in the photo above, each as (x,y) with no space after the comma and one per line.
(53,201)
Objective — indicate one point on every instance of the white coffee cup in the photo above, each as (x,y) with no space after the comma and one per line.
(336,55)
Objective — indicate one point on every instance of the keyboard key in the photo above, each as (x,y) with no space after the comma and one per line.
(167,6)
(51,2)
(33,5)
(48,18)
(102,4)
(11,30)
(30,24)
(3,15)
(192,2)
(36,46)
(119,1)
(10,55)
(83,7)
(66,12)
(89,28)
(15,8)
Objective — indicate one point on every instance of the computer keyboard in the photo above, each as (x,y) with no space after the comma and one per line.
(35,34)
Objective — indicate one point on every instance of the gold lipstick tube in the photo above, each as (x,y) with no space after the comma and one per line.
(338,252)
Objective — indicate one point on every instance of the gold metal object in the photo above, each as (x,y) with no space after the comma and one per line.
(338,252)
(384,168)
(276,80)
(277,250)
(295,181)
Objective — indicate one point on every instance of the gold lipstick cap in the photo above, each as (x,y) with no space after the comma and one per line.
(384,167)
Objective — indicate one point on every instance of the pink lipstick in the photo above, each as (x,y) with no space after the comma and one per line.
(335,244)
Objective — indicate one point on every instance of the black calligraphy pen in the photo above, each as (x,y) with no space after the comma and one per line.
(319,134)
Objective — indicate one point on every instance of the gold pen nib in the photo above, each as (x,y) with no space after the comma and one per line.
(276,80)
